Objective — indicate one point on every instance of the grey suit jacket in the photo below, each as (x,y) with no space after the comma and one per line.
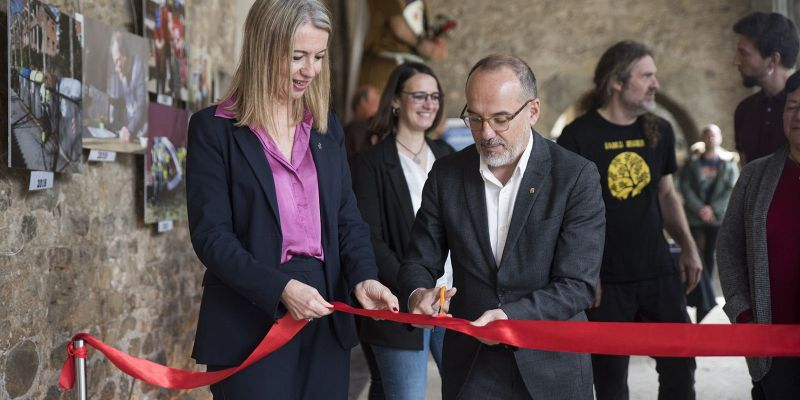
(742,246)
(550,266)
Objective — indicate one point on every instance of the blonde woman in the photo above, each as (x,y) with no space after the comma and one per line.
(272,215)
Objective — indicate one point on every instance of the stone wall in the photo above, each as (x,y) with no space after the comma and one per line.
(563,39)
(77,258)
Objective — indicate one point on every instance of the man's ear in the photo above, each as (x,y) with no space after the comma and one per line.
(774,60)
(617,85)
(534,108)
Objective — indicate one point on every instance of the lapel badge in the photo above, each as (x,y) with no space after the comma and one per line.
(531,190)
(319,145)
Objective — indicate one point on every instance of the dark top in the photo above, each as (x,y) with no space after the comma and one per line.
(235,230)
(630,171)
(758,125)
(385,204)
(783,246)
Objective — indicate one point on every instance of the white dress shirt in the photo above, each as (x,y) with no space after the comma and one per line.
(500,200)
(416,175)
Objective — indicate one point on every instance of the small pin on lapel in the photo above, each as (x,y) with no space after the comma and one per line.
(319,145)
(531,190)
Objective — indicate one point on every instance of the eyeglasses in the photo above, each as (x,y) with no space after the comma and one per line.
(498,123)
(421,97)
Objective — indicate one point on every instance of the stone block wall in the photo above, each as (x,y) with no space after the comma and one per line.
(78,258)
(563,39)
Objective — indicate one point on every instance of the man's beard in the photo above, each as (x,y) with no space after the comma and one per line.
(509,154)
(749,81)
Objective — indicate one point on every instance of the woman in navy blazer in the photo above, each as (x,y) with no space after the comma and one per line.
(272,215)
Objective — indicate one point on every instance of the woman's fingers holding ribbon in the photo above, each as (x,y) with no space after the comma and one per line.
(373,295)
(304,301)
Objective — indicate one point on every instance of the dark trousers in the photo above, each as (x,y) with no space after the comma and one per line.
(494,375)
(782,381)
(313,365)
(702,297)
(653,300)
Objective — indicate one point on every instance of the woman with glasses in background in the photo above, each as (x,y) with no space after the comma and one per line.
(388,185)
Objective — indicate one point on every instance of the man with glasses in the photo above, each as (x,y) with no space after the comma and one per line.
(523,221)
(635,153)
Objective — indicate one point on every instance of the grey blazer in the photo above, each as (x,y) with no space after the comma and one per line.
(742,246)
(550,265)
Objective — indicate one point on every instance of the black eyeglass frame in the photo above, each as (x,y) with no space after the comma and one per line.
(437,99)
(489,120)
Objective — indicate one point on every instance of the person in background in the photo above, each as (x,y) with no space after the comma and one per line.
(363,105)
(706,183)
(388,186)
(272,215)
(758,252)
(635,153)
(398,32)
(766,50)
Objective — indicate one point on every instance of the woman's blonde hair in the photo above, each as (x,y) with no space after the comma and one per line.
(262,77)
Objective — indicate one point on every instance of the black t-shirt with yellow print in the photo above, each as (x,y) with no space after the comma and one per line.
(630,171)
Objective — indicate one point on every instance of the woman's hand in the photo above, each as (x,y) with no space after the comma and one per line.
(374,296)
(304,301)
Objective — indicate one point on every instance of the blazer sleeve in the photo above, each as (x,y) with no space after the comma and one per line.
(732,251)
(577,257)
(210,220)
(356,255)
(427,251)
(371,204)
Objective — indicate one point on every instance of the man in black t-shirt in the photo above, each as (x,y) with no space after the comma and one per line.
(635,153)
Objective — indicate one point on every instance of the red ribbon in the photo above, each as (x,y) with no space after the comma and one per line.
(620,338)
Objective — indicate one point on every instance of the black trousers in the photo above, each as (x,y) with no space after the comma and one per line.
(654,300)
(702,297)
(782,381)
(313,365)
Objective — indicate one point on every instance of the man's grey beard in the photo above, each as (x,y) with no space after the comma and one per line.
(509,154)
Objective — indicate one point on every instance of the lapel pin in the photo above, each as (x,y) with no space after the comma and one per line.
(319,145)
(531,190)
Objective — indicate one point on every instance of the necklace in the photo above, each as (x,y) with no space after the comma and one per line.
(415,153)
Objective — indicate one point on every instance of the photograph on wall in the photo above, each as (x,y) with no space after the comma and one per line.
(165,164)
(164,27)
(44,94)
(114,89)
(200,79)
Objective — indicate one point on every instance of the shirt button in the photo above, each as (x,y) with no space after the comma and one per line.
(769,109)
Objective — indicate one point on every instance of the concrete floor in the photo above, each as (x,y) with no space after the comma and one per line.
(717,378)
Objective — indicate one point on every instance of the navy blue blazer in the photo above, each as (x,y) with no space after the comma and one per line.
(235,230)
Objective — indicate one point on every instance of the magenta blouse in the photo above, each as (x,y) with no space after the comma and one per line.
(296,188)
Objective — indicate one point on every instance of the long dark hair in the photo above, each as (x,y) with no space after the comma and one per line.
(616,65)
(385,122)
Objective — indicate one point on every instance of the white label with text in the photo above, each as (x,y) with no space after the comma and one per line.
(164,226)
(41,180)
(102,155)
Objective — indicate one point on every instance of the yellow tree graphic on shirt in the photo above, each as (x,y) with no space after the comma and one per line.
(628,174)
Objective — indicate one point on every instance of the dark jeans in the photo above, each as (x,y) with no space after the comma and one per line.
(702,297)
(653,300)
(313,365)
(782,381)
